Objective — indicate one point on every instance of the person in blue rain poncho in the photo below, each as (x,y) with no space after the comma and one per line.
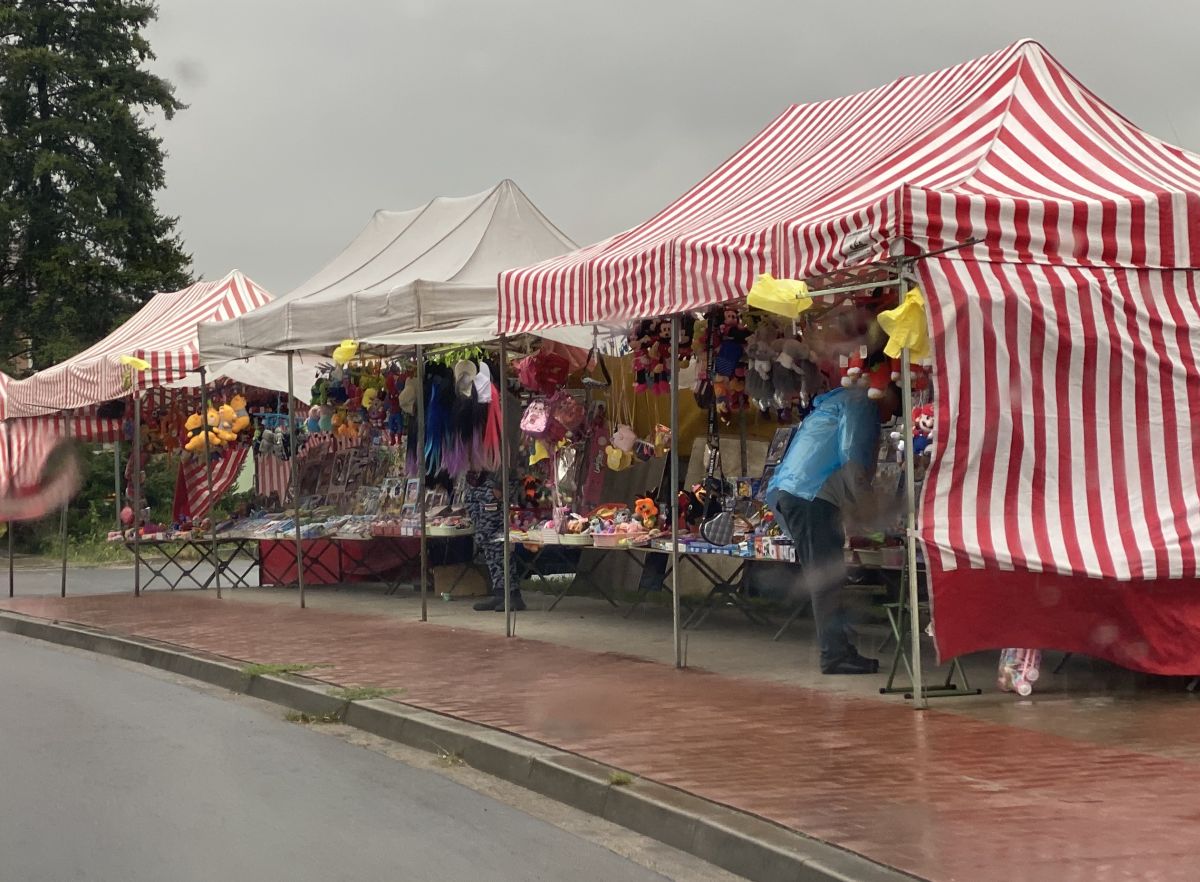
(824,482)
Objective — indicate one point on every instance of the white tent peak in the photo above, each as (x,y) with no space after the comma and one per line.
(423,274)
(464,239)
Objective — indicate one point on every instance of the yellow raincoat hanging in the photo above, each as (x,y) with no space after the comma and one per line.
(786,297)
(905,326)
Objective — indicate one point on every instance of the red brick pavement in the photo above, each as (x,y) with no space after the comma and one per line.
(936,794)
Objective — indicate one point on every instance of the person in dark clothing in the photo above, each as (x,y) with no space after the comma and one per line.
(483,500)
(825,480)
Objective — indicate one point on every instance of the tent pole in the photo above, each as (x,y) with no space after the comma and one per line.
(424,545)
(914,610)
(117,481)
(136,504)
(11,480)
(295,477)
(505,466)
(65,509)
(204,404)
(673,495)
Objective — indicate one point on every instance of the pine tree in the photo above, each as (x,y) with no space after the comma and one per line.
(82,243)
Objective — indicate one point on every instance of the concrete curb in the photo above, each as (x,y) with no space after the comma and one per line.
(741,843)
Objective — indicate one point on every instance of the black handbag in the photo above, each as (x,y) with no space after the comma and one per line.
(716,527)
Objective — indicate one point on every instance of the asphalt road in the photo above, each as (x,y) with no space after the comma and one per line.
(110,772)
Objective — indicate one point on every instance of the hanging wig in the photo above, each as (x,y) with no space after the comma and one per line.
(489,447)
(460,430)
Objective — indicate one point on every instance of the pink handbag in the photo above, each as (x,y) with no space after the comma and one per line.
(535,422)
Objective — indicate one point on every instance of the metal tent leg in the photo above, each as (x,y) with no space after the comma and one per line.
(505,480)
(136,505)
(65,509)
(421,481)
(672,498)
(11,478)
(204,404)
(910,502)
(295,479)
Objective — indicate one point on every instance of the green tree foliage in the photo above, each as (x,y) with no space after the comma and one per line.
(82,244)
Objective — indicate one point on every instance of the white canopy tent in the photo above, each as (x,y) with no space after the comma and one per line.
(423,276)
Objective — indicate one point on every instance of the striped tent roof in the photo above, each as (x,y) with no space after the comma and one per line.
(1060,508)
(1010,146)
(163,333)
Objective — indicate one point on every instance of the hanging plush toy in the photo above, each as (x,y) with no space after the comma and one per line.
(641,339)
(268,442)
(760,354)
(241,416)
(196,435)
(880,376)
(225,419)
(312,425)
(853,368)
(660,367)
(213,424)
(687,333)
(924,427)
(729,371)
(619,452)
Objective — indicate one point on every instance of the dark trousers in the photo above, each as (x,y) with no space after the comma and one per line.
(816,529)
(489,526)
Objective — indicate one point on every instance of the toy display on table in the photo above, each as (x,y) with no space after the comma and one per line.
(615,526)
(1019,669)
(576,529)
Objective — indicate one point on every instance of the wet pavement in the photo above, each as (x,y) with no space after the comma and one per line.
(1096,777)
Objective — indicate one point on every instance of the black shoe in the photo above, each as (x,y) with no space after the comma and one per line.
(515,602)
(490,604)
(853,664)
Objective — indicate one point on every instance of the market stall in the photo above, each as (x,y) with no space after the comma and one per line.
(1053,244)
(139,384)
(411,280)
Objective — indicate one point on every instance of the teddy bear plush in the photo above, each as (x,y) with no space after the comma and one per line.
(196,435)
(241,416)
(225,419)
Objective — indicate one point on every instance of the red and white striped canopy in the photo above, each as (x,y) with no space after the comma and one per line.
(1061,506)
(1009,147)
(163,333)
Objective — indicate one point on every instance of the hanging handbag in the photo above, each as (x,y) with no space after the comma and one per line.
(565,411)
(535,421)
(718,530)
(717,523)
(702,389)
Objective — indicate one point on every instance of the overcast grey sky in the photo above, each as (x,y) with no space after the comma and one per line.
(307,115)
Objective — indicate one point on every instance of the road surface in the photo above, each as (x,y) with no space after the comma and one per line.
(110,771)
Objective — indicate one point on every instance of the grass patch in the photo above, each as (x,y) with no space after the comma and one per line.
(302,717)
(94,552)
(620,779)
(275,670)
(361,693)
